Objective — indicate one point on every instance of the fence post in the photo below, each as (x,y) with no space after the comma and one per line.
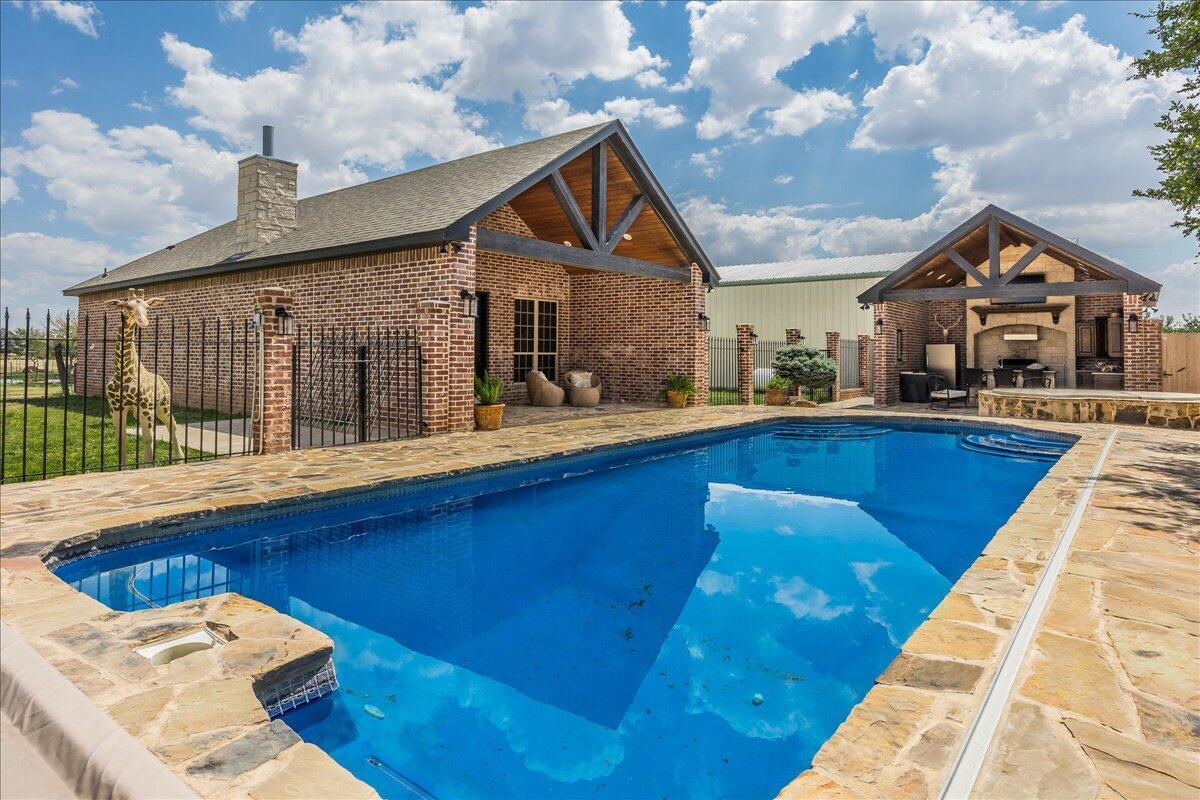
(793,336)
(833,349)
(864,361)
(745,364)
(273,433)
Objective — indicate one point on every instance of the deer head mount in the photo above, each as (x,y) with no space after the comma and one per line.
(937,320)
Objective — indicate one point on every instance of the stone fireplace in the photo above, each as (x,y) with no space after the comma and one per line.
(1052,347)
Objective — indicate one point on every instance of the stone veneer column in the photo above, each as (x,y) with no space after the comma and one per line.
(273,434)
(1142,351)
(864,361)
(745,364)
(887,370)
(266,202)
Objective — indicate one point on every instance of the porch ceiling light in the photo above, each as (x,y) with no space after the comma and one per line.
(627,237)
(705,322)
(1135,322)
(470,303)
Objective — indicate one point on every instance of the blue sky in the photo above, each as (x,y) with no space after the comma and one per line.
(780,129)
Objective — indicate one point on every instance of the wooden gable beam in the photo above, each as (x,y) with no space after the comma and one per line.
(994,249)
(624,222)
(574,214)
(967,267)
(1005,292)
(500,242)
(600,192)
(1023,262)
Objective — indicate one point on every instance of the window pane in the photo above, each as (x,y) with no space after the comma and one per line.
(548,363)
(522,364)
(523,326)
(547,327)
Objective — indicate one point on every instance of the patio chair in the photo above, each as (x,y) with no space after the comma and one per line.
(939,389)
(542,392)
(973,379)
(583,389)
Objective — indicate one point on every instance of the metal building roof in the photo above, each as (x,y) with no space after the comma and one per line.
(808,269)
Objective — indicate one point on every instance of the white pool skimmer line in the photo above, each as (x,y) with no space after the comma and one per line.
(970,759)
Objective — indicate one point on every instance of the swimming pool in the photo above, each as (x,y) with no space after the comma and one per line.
(687,618)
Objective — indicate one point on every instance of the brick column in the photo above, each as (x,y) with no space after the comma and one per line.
(745,364)
(1142,351)
(833,349)
(699,357)
(887,370)
(792,336)
(433,333)
(273,434)
(864,363)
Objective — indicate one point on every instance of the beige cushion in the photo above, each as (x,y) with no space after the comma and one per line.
(579,378)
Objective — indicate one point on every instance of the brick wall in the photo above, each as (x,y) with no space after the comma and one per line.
(1087,308)
(911,318)
(1143,350)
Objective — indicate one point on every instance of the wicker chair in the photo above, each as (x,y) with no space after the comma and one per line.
(583,389)
(542,392)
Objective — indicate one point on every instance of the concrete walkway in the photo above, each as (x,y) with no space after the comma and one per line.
(24,774)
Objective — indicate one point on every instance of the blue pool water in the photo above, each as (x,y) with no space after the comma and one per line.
(687,619)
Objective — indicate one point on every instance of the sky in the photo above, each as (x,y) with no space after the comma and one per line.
(779,129)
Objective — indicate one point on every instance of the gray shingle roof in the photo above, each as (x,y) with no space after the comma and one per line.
(807,269)
(424,201)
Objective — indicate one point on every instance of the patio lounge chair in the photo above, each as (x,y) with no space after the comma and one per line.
(583,389)
(542,392)
(939,389)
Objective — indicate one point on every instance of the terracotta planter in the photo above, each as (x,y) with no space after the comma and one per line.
(676,399)
(488,418)
(777,397)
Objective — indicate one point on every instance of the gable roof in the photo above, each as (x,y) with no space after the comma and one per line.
(1067,251)
(809,269)
(424,207)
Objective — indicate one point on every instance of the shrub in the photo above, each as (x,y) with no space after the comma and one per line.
(780,384)
(805,366)
(488,390)
(678,383)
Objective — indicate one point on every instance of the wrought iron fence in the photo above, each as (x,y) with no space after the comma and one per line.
(96,393)
(722,369)
(353,386)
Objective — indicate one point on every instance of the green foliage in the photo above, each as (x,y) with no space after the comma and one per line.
(805,366)
(780,383)
(1187,323)
(1177,26)
(488,390)
(678,383)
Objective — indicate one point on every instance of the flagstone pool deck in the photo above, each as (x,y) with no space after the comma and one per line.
(1107,704)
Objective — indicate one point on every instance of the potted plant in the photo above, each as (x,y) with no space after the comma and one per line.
(677,389)
(805,366)
(778,389)
(489,411)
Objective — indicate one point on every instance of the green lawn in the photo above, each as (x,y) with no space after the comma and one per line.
(42,425)
(729,397)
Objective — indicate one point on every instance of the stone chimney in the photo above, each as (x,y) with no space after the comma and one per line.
(266,207)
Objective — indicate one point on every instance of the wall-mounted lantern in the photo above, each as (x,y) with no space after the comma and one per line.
(879,326)
(704,321)
(470,303)
(287,321)
(1135,323)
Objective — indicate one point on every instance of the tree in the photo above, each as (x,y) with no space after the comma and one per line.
(805,366)
(1188,323)
(1177,26)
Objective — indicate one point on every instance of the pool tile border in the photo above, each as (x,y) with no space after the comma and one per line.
(899,741)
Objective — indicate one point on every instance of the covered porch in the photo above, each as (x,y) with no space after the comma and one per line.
(1001,303)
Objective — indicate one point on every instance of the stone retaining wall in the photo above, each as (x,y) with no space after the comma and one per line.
(1133,410)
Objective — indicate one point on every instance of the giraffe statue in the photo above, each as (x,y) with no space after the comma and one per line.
(135,388)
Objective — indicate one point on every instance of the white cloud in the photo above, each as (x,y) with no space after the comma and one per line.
(633,110)
(538,49)
(83,17)
(8,189)
(739,49)
(137,105)
(649,79)
(807,110)
(783,180)
(148,182)
(63,84)
(1181,286)
(234,10)
(35,267)
(805,600)
(707,161)
(555,115)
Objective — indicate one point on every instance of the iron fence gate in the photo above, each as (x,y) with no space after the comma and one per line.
(848,364)
(722,369)
(353,386)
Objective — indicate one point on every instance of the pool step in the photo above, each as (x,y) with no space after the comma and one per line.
(1013,446)
(835,431)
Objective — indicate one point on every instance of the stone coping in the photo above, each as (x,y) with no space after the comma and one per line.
(1100,394)
(899,740)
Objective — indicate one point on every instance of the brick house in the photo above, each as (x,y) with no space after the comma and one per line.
(568,246)
(1001,288)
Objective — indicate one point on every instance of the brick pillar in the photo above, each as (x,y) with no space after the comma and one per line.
(697,294)
(792,336)
(887,369)
(1142,350)
(864,361)
(745,364)
(448,344)
(833,349)
(433,333)
(273,434)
